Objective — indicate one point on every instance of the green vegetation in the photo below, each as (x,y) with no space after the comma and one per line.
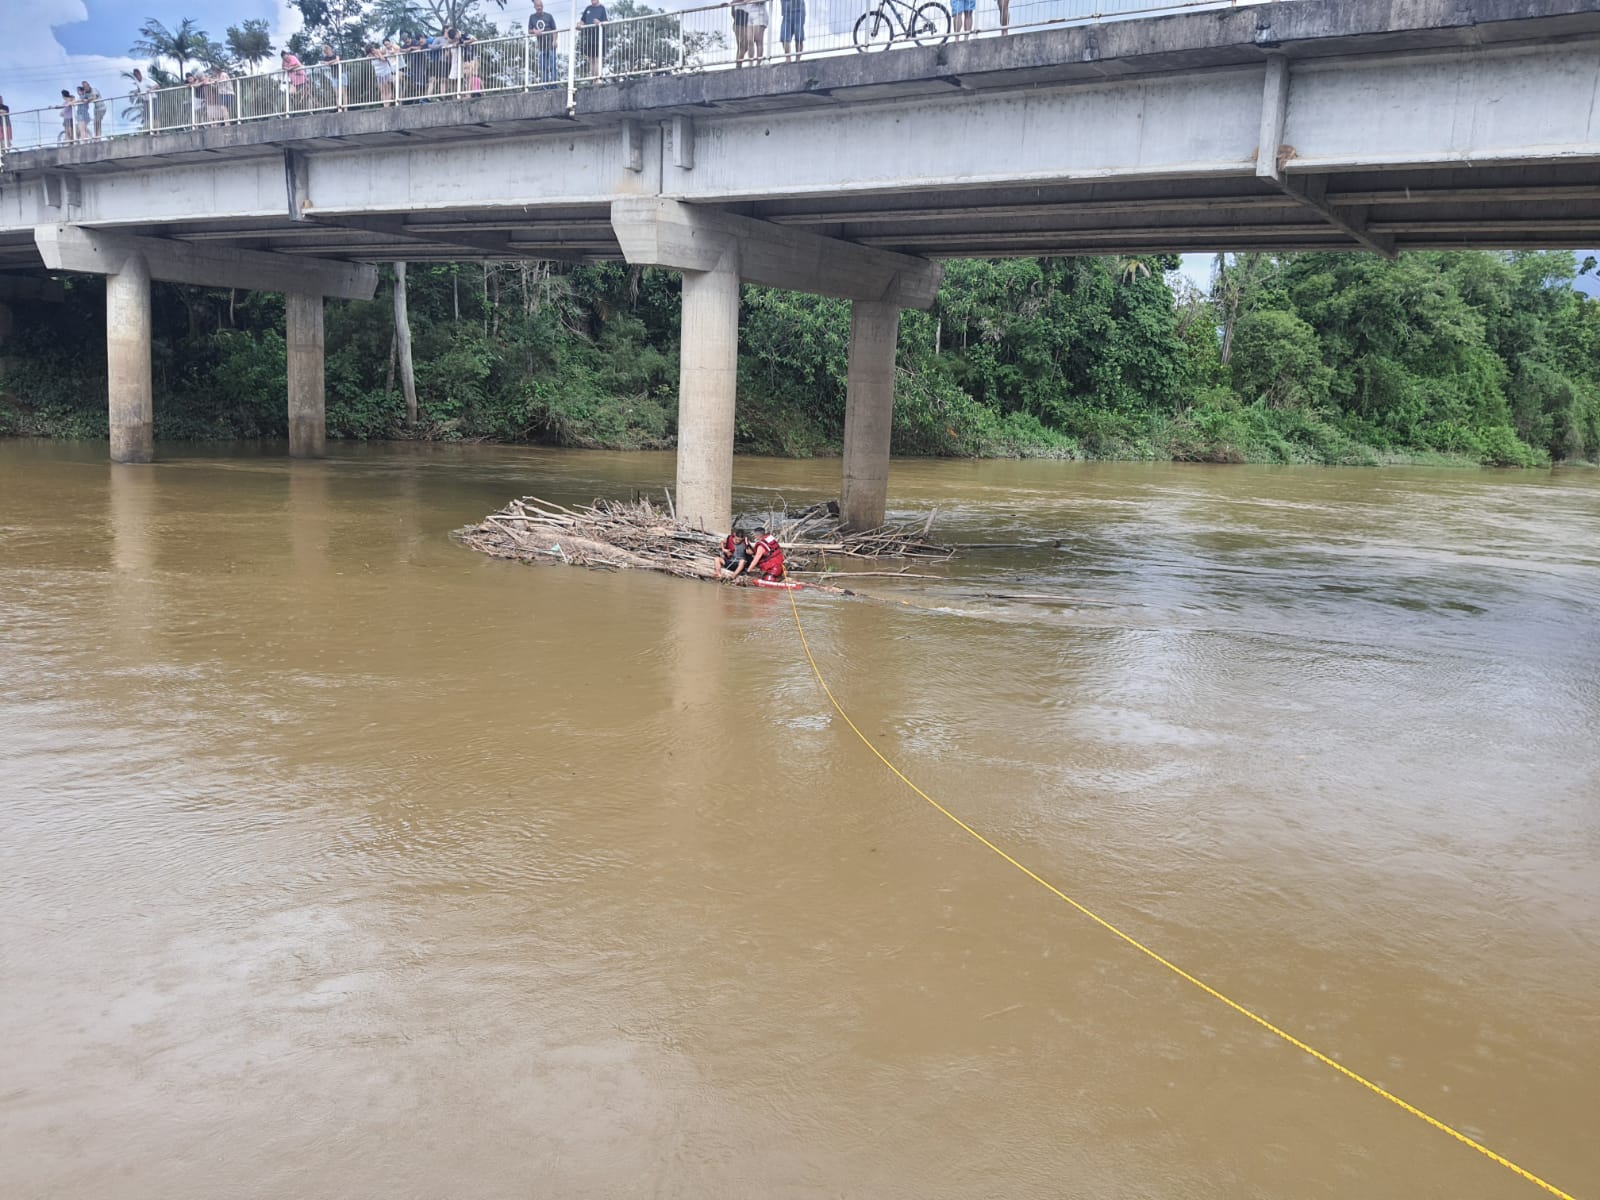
(1320,358)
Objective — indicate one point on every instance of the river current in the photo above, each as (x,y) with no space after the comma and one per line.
(339,860)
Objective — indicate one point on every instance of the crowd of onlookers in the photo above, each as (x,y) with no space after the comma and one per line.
(410,67)
(83,113)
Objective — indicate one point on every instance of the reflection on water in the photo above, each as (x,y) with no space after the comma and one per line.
(338,860)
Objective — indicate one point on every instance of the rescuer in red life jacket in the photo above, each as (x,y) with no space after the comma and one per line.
(735,550)
(767,560)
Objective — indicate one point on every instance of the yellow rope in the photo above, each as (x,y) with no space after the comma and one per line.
(1167,963)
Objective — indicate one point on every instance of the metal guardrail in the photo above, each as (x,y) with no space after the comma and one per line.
(741,34)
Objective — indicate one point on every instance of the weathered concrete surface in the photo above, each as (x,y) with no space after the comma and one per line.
(1090,51)
(868,414)
(128,379)
(91,252)
(665,233)
(1440,123)
(304,343)
(708,372)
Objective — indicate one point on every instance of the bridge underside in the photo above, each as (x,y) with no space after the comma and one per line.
(1513,207)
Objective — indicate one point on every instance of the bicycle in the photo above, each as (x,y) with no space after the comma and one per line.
(924,25)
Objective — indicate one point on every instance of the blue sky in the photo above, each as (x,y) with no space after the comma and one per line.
(52,44)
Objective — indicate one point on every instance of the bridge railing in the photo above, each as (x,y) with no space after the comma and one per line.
(714,37)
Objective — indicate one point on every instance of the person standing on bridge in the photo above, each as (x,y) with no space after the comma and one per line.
(592,18)
(382,71)
(961,18)
(757,31)
(5,124)
(227,99)
(792,31)
(66,106)
(741,31)
(414,66)
(294,75)
(143,97)
(542,28)
(329,68)
(81,119)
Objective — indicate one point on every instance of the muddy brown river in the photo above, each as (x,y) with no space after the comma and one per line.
(339,861)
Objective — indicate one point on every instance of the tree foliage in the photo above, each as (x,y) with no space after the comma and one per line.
(1336,358)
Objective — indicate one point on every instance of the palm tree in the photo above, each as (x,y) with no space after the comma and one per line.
(1132,268)
(251,42)
(185,44)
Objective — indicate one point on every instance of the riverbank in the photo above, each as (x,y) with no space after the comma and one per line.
(1177,440)
(1318,359)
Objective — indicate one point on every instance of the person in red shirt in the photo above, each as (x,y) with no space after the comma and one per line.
(767,561)
(731,560)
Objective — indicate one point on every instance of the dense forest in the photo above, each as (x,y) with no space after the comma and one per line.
(1327,358)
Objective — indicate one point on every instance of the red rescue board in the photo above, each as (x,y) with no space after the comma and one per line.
(788,585)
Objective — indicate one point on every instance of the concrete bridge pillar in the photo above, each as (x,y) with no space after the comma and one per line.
(868,412)
(130,262)
(717,250)
(708,372)
(307,401)
(128,383)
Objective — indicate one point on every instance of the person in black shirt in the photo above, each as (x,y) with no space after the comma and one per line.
(593,17)
(542,28)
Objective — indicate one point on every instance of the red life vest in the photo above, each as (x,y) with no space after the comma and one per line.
(731,544)
(771,564)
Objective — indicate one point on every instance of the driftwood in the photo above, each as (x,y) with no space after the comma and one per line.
(615,535)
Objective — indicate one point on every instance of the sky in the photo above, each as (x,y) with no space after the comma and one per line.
(52,44)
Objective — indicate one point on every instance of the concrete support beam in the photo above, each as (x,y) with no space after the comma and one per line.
(128,382)
(657,232)
(307,410)
(707,377)
(1272,153)
(868,413)
(96,252)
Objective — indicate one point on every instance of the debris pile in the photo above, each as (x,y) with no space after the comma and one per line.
(617,535)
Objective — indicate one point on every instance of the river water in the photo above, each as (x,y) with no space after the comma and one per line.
(337,860)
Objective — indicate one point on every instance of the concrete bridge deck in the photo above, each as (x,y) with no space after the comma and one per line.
(1428,124)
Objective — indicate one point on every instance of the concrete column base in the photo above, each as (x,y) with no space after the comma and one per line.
(307,404)
(707,381)
(128,384)
(868,413)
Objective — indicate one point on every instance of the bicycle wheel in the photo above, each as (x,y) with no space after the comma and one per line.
(930,25)
(874,31)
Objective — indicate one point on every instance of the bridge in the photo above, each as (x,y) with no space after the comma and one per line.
(1302,125)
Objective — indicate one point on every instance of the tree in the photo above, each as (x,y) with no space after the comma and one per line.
(1236,288)
(341,24)
(1131,268)
(185,44)
(250,43)
(390,17)
(1277,359)
(402,334)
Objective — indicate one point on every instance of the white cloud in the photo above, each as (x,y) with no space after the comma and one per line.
(34,66)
